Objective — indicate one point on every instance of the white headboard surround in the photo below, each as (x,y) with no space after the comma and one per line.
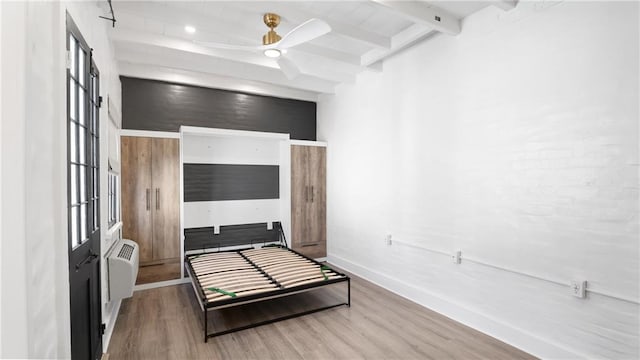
(240,153)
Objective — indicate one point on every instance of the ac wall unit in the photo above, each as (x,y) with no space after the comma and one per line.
(123,269)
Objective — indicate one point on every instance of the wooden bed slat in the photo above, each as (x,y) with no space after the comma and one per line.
(223,267)
(298,274)
(240,292)
(231,274)
(218,256)
(246,293)
(221,261)
(236,282)
(283,259)
(294,264)
(310,281)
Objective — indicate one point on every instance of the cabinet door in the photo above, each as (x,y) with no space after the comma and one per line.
(165,170)
(299,195)
(136,193)
(315,245)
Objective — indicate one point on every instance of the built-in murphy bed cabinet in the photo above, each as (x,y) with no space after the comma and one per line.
(236,185)
(151,204)
(308,198)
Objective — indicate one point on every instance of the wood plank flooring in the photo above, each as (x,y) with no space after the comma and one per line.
(159,272)
(166,323)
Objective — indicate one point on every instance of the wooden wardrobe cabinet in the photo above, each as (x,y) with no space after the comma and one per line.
(151,196)
(308,200)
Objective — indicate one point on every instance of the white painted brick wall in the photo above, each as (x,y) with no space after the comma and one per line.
(515,142)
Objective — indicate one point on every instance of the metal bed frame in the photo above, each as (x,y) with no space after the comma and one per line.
(207,305)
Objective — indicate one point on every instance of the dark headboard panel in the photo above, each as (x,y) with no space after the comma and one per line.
(232,235)
(163,106)
(217,182)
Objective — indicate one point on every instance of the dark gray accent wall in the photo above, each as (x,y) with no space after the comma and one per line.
(215,182)
(163,106)
(232,235)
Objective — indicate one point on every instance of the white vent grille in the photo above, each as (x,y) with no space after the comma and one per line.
(126,251)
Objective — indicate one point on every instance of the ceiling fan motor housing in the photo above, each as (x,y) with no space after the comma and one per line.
(272,21)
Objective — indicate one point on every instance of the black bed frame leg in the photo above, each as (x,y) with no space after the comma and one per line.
(206,337)
(349,292)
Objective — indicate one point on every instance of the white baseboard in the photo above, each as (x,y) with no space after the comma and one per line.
(111,324)
(509,334)
(160,284)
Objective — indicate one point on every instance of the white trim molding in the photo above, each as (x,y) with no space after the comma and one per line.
(160,284)
(309,143)
(148,133)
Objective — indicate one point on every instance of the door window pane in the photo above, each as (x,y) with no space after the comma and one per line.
(82,145)
(73,141)
(95,183)
(72,49)
(95,215)
(75,240)
(83,221)
(81,72)
(94,88)
(94,119)
(94,142)
(72,99)
(81,105)
(73,179)
(83,184)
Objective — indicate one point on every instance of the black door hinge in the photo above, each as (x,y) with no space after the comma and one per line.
(103,327)
(99,101)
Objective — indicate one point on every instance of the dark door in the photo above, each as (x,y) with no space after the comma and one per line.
(83,197)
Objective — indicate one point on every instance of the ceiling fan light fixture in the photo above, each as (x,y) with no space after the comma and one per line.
(272,53)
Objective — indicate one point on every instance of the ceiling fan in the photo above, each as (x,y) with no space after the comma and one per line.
(275,46)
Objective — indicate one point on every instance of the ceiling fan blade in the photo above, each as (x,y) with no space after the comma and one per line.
(304,32)
(289,69)
(223,46)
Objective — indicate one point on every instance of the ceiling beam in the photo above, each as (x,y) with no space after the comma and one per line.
(329,54)
(174,59)
(154,72)
(400,41)
(423,13)
(355,33)
(311,66)
(505,5)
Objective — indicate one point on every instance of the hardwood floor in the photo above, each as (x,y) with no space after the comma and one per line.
(169,270)
(166,323)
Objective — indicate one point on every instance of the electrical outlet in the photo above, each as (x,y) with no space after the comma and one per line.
(578,289)
(457,257)
(387,240)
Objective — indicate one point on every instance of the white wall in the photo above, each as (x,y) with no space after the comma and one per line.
(35,312)
(13,329)
(515,142)
(0,177)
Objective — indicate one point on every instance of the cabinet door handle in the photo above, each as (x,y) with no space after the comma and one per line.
(147,200)
(312,193)
(308,245)
(157,198)
(306,193)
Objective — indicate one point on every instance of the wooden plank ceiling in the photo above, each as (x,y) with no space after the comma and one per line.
(150,40)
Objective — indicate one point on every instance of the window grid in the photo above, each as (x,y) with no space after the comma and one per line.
(83,144)
(113,199)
